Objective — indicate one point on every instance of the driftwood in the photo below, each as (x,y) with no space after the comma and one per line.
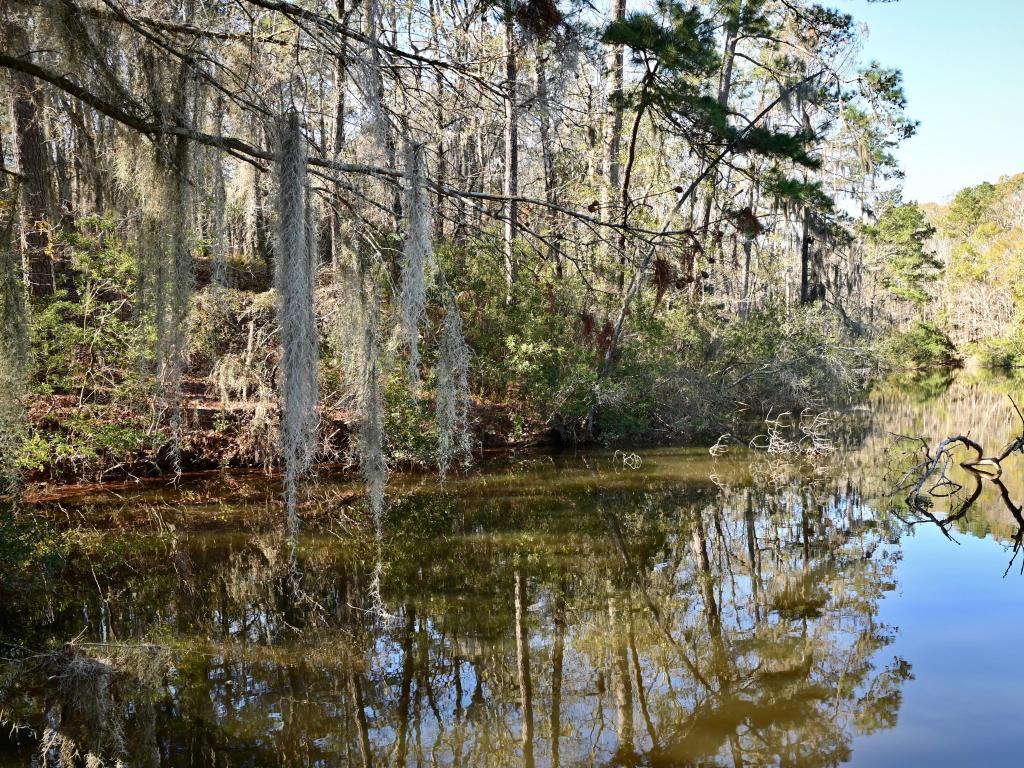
(935,465)
(929,479)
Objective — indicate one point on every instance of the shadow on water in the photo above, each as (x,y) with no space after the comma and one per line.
(545,611)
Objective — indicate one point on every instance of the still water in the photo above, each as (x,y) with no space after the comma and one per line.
(670,609)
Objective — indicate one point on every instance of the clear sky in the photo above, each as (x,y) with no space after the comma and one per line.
(963,67)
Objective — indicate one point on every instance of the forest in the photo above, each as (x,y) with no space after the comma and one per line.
(264,234)
(356,351)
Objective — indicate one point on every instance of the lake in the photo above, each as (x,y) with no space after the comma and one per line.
(662,608)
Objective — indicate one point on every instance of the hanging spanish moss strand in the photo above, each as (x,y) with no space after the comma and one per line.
(416,256)
(373,462)
(219,239)
(142,174)
(348,321)
(293,277)
(13,354)
(452,398)
(372,459)
(247,186)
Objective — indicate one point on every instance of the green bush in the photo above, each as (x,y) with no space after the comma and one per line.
(735,371)
(682,369)
(1002,352)
(539,354)
(408,424)
(86,336)
(91,439)
(922,345)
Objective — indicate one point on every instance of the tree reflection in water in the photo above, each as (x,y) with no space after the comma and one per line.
(627,619)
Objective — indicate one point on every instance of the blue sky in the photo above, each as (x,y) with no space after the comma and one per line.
(963,67)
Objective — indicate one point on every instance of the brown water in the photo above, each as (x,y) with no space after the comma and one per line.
(567,610)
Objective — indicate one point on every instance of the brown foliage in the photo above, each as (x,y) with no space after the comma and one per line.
(540,17)
(662,278)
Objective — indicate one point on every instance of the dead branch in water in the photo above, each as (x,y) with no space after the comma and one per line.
(929,479)
(936,464)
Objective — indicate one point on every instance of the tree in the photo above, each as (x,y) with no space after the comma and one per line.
(901,239)
(28,107)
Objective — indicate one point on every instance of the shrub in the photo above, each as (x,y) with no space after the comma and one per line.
(1002,352)
(921,345)
(87,338)
(738,371)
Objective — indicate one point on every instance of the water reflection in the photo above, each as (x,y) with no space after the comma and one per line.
(965,479)
(550,611)
(616,618)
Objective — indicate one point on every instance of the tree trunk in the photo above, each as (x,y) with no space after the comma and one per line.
(613,129)
(725,76)
(441,174)
(340,87)
(748,245)
(511,156)
(805,257)
(724,90)
(30,144)
(547,151)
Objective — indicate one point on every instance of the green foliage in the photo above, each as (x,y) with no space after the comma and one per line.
(882,89)
(1002,351)
(86,336)
(220,322)
(780,144)
(968,209)
(747,17)
(408,424)
(678,38)
(900,237)
(922,345)
(791,192)
(675,46)
(684,370)
(985,233)
(90,439)
(981,299)
(695,374)
(539,355)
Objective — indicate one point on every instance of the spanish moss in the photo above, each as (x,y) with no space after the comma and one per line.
(176,292)
(372,459)
(452,397)
(293,279)
(416,257)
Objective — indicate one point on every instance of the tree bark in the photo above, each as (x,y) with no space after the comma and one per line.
(511,155)
(805,257)
(548,154)
(614,85)
(340,87)
(33,163)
